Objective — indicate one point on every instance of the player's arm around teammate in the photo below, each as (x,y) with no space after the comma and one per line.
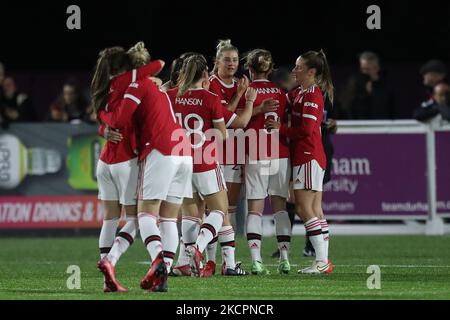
(267,170)
(308,158)
(201,113)
(165,172)
(117,169)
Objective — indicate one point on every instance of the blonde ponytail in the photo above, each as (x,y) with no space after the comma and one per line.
(260,60)
(139,55)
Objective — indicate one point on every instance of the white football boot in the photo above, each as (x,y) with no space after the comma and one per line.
(317,267)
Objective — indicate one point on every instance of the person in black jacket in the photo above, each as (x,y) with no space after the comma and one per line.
(15,106)
(439,104)
(433,72)
(369,94)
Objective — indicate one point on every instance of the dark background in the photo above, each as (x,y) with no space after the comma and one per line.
(37,46)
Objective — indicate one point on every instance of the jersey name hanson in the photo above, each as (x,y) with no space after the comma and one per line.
(189,101)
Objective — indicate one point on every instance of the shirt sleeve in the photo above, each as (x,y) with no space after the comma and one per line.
(228,116)
(122,115)
(148,70)
(312,108)
(101,130)
(217,111)
(214,87)
(143,72)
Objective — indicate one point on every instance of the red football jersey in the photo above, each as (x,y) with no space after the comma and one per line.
(305,133)
(126,149)
(197,111)
(261,148)
(225,91)
(155,120)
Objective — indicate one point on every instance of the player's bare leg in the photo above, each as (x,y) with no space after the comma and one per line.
(304,200)
(254,235)
(283,231)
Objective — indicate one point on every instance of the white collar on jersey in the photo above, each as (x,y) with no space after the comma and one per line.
(195,89)
(228,86)
(261,80)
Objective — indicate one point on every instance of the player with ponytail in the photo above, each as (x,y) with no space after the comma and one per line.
(230,90)
(198,111)
(312,75)
(117,168)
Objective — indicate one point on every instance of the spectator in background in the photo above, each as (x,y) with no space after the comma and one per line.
(15,106)
(369,94)
(439,104)
(433,72)
(70,105)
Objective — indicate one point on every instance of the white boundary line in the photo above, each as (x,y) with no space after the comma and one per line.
(352,265)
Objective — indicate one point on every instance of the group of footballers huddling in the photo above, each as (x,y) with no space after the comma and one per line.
(182,151)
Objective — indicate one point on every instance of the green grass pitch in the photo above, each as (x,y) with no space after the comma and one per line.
(412,267)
